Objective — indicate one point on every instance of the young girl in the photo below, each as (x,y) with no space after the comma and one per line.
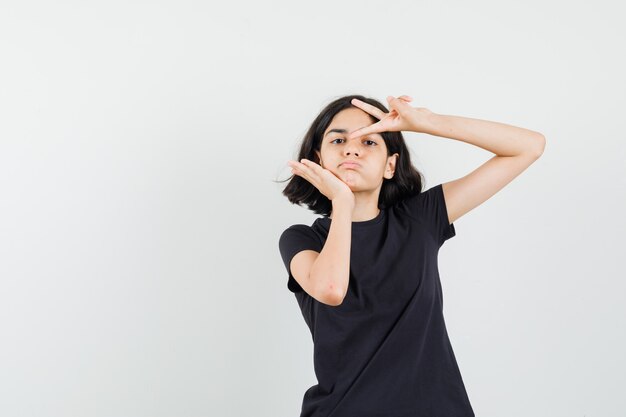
(365,274)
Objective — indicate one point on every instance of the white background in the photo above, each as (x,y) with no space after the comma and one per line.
(139,221)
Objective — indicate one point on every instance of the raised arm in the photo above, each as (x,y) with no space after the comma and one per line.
(516,148)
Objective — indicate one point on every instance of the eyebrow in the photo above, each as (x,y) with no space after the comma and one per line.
(338,131)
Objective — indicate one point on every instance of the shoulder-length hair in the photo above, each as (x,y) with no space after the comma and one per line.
(406,181)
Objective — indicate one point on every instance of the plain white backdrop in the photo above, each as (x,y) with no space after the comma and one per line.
(139,221)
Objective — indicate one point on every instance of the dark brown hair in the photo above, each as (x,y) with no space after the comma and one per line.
(406,181)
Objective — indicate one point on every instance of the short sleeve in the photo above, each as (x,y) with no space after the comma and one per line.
(430,205)
(295,239)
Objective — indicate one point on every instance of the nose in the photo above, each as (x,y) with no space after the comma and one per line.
(351,147)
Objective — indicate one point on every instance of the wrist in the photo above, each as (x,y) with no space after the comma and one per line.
(343,202)
(425,121)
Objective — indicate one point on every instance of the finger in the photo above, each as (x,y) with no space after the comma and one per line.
(310,166)
(308,163)
(368,108)
(375,128)
(294,167)
(398,105)
(301,166)
(404,98)
(401,98)
(302,169)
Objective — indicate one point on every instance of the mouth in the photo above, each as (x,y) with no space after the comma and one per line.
(352,165)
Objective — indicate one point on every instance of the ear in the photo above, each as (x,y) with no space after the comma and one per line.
(390,169)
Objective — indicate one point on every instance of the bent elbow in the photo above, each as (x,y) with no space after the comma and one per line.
(540,145)
(334,298)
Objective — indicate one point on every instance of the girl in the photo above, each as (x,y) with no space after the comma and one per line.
(365,274)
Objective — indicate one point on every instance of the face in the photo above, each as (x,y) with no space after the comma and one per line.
(369,151)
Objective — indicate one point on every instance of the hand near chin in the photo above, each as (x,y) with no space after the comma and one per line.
(324,180)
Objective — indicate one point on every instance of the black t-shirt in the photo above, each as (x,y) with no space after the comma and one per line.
(385,351)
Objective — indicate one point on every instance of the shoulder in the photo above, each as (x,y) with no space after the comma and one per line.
(422,198)
(411,205)
(299,235)
(297,229)
(429,207)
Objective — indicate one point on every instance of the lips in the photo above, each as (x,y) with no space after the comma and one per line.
(350,164)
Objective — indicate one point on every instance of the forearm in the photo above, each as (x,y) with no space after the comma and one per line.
(331,269)
(499,138)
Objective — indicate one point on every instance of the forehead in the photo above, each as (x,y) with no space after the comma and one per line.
(351,119)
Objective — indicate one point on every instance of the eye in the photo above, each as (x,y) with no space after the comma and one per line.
(367,140)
